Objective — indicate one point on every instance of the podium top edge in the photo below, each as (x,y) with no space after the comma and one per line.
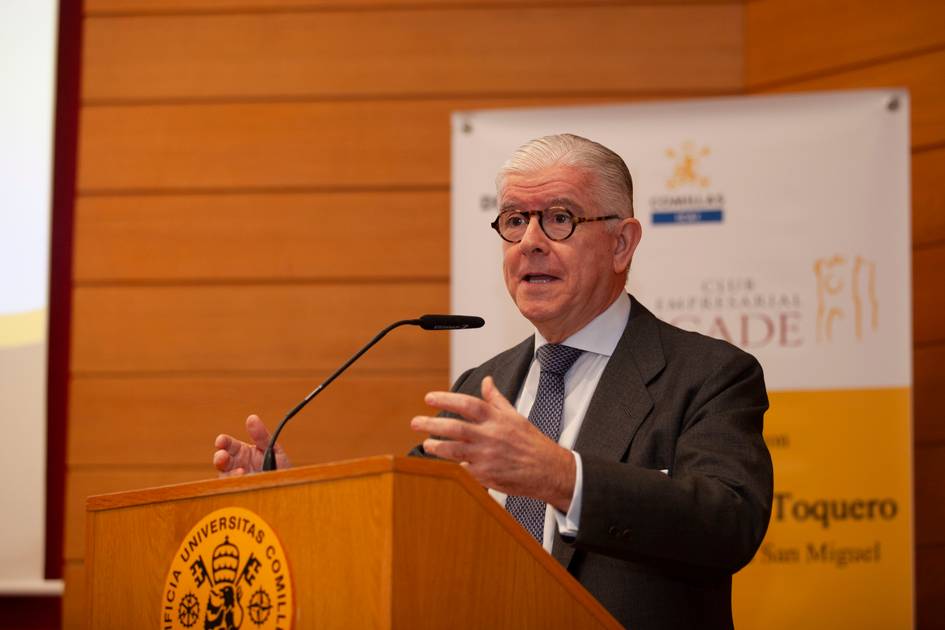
(377,465)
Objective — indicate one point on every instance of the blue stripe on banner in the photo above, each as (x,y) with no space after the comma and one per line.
(688,216)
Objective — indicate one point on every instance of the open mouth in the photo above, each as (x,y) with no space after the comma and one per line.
(539,278)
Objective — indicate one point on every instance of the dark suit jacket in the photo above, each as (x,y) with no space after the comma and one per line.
(659,550)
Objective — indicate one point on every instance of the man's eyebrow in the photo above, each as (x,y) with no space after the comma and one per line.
(557,202)
(563,202)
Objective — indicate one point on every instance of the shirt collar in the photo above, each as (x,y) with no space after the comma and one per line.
(603,332)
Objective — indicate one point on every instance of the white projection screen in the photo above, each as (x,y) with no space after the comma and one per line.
(28,32)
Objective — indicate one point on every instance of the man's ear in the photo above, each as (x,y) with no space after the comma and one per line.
(627,237)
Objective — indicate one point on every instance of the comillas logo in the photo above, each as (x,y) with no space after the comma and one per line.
(229,570)
(686,168)
(688,199)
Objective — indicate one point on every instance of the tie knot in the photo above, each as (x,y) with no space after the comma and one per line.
(556,358)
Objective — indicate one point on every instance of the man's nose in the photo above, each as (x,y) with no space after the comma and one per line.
(534,239)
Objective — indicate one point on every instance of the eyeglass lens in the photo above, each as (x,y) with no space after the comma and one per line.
(556,223)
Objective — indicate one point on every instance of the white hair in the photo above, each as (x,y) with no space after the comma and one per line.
(613,186)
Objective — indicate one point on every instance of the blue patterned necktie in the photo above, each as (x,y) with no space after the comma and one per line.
(546,414)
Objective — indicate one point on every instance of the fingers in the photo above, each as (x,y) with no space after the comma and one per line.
(233,456)
(443,427)
(221,460)
(492,395)
(229,444)
(468,407)
(258,432)
(453,451)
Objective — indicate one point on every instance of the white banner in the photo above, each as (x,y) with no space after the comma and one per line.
(800,181)
(780,224)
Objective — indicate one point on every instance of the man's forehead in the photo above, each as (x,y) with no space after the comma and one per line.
(565,184)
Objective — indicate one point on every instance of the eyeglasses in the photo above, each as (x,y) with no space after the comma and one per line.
(557,223)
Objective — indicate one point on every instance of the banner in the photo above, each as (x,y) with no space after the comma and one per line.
(780,224)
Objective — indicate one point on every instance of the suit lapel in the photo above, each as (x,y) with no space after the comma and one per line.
(621,401)
(510,372)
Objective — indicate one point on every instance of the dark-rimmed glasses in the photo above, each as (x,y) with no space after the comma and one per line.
(557,223)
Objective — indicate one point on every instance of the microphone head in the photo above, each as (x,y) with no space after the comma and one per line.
(450,322)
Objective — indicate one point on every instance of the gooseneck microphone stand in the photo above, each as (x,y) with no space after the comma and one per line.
(427,322)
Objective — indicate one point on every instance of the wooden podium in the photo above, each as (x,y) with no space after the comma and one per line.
(384,542)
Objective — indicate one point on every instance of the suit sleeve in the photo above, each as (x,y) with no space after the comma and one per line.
(713,509)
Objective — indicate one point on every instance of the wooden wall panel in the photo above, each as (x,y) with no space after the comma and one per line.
(928,297)
(258,236)
(177,419)
(930,584)
(144,7)
(928,197)
(253,329)
(930,494)
(788,39)
(477,50)
(265,145)
(928,402)
(923,75)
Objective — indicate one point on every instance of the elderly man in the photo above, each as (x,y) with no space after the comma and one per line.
(630,448)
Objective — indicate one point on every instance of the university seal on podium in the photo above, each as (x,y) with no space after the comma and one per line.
(231,573)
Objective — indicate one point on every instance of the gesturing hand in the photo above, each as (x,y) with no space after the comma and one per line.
(498,446)
(234,457)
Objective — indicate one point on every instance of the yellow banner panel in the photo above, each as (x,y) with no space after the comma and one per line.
(838,553)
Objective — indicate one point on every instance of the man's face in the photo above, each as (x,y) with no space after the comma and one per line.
(560,286)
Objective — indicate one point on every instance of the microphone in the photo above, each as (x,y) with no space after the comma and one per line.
(450,322)
(426,322)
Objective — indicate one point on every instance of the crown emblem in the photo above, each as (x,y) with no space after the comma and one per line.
(225,562)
